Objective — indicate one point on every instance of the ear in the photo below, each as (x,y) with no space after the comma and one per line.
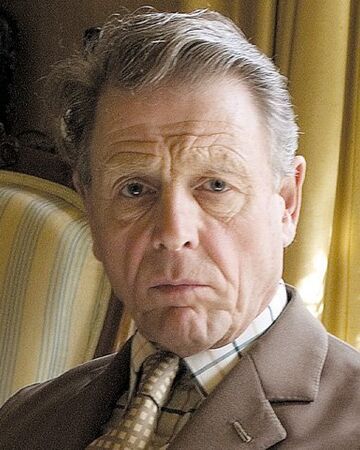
(291,192)
(85,194)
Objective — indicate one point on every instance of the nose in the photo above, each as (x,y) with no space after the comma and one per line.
(176,222)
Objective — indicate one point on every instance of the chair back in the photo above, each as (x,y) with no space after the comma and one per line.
(53,292)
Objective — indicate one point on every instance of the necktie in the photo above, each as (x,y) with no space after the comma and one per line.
(135,429)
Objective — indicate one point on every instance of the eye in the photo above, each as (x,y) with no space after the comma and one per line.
(215,185)
(135,189)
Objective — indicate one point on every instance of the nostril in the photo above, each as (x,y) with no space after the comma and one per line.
(172,245)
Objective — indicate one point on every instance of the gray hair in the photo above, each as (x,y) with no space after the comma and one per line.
(148,49)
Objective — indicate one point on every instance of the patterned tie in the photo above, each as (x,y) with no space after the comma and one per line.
(135,429)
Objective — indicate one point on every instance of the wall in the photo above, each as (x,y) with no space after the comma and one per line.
(51,30)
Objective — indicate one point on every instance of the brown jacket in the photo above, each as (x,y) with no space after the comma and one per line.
(296,388)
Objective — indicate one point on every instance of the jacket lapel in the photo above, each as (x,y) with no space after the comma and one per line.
(236,415)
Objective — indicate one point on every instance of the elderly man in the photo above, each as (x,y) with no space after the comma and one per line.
(182,139)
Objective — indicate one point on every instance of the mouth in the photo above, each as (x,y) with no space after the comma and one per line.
(177,285)
(179,288)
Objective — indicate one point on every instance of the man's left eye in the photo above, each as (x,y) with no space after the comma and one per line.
(216,185)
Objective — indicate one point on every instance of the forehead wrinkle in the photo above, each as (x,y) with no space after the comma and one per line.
(134,133)
(118,147)
(183,127)
(219,158)
(176,143)
(192,127)
(156,135)
(229,140)
(129,162)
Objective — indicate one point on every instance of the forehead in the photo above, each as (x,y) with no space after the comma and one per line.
(217,120)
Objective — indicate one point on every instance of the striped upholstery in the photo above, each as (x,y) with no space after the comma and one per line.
(53,293)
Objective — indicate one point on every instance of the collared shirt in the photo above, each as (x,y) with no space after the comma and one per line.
(199,373)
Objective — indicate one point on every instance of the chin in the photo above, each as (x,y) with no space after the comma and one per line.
(183,331)
(182,342)
(185,348)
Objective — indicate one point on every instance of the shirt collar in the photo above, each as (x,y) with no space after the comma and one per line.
(209,367)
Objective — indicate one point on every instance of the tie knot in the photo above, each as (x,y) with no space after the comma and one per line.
(159,371)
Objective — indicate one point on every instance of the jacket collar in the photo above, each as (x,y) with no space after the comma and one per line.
(297,344)
(239,413)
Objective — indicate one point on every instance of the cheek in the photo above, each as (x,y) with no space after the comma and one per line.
(118,234)
(222,206)
(123,250)
(246,242)
(125,211)
(264,242)
(224,247)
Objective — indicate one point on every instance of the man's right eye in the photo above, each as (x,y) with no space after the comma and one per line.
(135,189)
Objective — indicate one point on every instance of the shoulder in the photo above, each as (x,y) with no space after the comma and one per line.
(311,378)
(67,411)
(337,404)
(343,363)
(343,350)
(57,388)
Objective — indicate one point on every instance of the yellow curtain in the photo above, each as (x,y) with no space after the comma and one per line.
(342,289)
(316,44)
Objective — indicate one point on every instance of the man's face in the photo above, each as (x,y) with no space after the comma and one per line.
(184,213)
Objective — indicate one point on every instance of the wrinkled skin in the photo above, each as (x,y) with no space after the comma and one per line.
(184,213)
